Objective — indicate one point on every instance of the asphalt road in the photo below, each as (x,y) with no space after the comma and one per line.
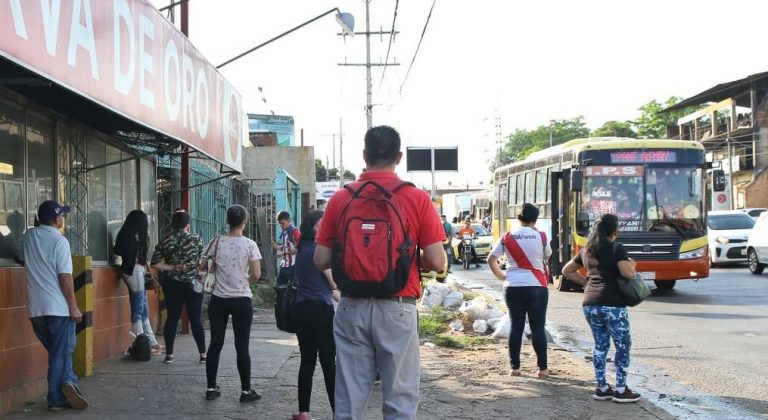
(699,351)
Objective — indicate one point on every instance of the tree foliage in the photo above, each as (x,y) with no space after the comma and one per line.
(324,174)
(522,143)
(652,123)
(615,129)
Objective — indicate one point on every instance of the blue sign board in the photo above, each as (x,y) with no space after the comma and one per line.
(282,125)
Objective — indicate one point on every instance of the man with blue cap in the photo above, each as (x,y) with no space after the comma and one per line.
(51,302)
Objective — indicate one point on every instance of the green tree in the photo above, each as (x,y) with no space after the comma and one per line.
(321,173)
(652,123)
(615,129)
(522,143)
(334,173)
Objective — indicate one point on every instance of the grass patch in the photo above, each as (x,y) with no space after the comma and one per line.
(460,341)
(431,324)
(469,295)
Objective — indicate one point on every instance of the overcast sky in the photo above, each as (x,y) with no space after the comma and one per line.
(527,61)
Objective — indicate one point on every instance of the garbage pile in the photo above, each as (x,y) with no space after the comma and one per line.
(485,317)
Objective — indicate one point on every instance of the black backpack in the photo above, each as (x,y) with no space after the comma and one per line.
(140,349)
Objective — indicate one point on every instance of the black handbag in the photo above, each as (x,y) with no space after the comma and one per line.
(285,303)
(634,290)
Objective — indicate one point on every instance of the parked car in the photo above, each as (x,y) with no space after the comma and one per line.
(754,212)
(483,242)
(728,232)
(757,245)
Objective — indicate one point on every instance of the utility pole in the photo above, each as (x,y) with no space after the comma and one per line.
(499,139)
(730,163)
(368,64)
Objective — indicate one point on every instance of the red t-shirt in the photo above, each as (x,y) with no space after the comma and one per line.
(424,224)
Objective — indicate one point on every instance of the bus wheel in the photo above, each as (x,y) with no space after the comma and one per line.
(665,284)
(561,283)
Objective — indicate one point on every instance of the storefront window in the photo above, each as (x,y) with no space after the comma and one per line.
(39,163)
(148,192)
(98,243)
(12,224)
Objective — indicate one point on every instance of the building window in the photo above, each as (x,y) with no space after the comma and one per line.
(12,168)
(40,167)
(148,196)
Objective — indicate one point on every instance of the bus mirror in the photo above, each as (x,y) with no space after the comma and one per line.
(718,180)
(577,179)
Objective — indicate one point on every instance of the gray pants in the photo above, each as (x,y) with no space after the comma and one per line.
(371,335)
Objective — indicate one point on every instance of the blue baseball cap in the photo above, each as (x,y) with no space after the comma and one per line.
(50,210)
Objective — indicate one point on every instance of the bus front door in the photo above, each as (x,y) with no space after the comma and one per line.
(561,232)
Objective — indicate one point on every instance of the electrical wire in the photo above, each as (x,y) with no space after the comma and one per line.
(391,37)
(429,16)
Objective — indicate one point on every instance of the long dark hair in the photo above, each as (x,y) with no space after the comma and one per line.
(307,228)
(135,232)
(601,230)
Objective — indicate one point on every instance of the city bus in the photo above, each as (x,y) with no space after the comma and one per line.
(655,187)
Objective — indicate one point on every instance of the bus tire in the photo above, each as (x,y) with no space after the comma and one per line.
(561,283)
(665,284)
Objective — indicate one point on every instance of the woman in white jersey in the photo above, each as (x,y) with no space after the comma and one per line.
(525,285)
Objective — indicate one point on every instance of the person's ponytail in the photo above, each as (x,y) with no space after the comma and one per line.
(601,230)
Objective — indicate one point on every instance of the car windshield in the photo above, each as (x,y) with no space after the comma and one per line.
(644,198)
(730,221)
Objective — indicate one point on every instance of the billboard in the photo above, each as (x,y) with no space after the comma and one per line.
(126,57)
(420,159)
(282,125)
(325,190)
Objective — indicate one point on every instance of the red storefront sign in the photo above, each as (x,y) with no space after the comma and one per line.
(124,55)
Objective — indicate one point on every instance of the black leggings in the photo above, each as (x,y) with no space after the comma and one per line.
(315,333)
(530,300)
(219,310)
(176,295)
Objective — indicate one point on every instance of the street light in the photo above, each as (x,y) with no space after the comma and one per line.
(345,20)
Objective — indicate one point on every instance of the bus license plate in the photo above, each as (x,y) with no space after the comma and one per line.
(648,275)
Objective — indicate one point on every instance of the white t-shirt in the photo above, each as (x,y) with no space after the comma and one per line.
(46,254)
(233,257)
(530,241)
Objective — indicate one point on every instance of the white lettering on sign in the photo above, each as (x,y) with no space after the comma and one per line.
(614,170)
(146,61)
(602,193)
(82,36)
(172,102)
(18,19)
(368,226)
(124,80)
(51,12)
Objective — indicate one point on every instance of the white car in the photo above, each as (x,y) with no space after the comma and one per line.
(757,245)
(754,212)
(728,232)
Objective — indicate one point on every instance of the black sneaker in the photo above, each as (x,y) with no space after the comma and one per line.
(74,397)
(628,396)
(603,395)
(249,396)
(212,393)
(203,359)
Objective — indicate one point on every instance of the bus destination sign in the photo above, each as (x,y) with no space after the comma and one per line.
(644,156)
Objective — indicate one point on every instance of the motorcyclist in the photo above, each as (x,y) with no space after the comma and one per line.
(467,230)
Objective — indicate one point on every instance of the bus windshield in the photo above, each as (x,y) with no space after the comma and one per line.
(645,198)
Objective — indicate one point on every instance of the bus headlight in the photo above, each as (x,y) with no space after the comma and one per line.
(696,253)
(722,240)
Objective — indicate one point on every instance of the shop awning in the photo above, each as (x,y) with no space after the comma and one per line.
(121,67)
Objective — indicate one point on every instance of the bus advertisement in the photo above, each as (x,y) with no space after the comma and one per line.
(654,187)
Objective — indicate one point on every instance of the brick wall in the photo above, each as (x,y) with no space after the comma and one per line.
(756,193)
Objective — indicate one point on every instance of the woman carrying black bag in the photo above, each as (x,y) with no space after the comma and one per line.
(604,305)
(313,314)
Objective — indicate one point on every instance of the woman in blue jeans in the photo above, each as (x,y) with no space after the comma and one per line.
(525,286)
(606,263)
(132,244)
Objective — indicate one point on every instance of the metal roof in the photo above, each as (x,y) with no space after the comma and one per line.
(719,92)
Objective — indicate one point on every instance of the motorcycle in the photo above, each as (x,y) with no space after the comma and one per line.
(466,250)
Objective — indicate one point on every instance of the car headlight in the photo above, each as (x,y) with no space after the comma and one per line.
(696,253)
(722,240)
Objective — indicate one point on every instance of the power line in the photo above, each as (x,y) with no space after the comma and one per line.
(391,37)
(418,46)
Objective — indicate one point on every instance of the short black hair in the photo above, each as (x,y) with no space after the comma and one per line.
(180,219)
(530,213)
(236,215)
(382,144)
(283,215)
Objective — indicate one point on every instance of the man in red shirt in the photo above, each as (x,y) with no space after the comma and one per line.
(381,333)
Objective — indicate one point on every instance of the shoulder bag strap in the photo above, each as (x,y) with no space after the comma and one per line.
(516,252)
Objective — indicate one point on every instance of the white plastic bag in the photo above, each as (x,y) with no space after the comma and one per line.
(493,323)
(502,328)
(453,299)
(432,297)
(479,308)
(457,325)
(480,326)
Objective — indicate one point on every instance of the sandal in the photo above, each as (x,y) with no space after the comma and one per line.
(303,415)
(514,372)
(543,374)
